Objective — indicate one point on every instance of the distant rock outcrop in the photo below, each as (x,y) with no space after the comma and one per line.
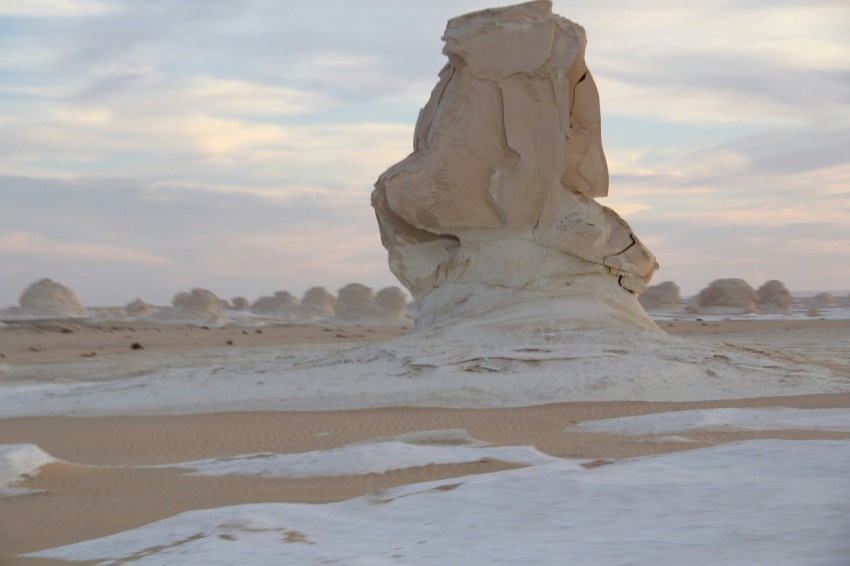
(822,301)
(280,304)
(358,304)
(725,296)
(48,299)
(198,304)
(139,308)
(316,305)
(774,298)
(662,297)
(239,303)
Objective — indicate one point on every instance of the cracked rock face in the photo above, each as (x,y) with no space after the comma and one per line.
(496,202)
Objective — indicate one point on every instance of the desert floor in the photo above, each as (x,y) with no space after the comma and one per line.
(101,486)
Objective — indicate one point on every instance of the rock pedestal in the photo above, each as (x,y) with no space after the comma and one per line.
(495,208)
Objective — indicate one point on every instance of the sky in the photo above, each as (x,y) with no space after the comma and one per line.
(147,148)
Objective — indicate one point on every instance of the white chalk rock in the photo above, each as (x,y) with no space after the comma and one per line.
(358,304)
(139,308)
(774,298)
(725,296)
(239,304)
(317,304)
(822,301)
(49,299)
(664,297)
(495,206)
(281,304)
(198,304)
(355,301)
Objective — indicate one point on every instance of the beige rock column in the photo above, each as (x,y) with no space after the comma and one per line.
(495,207)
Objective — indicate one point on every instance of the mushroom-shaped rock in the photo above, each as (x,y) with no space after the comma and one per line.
(495,207)
(199,304)
(355,301)
(316,305)
(49,299)
(280,304)
(392,304)
(239,303)
(725,296)
(774,298)
(664,297)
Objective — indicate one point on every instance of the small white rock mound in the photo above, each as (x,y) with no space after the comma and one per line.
(822,301)
(197,304)
(19,462)
(316,305)
(281,303)
(662,297)
(139,308)
(49,299)
(239,303)
(774,298)
(725,296)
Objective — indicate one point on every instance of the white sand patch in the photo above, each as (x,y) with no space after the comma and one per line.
(757,502)
(19,462)
(771,418)
(357,459)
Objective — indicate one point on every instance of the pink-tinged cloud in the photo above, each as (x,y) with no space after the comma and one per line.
(33,245)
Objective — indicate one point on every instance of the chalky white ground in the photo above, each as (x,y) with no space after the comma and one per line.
(764,501)
(770,501)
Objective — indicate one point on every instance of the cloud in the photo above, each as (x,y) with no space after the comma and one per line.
(53,8)
(28,244)
(231,137)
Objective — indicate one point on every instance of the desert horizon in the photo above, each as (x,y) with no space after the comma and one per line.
(571,322)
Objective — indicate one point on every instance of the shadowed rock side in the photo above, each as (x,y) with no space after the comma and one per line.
(495,206)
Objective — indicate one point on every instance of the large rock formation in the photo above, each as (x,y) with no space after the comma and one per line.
(662,297)
(725,296)
(48,299)
(774,298)
(495,208)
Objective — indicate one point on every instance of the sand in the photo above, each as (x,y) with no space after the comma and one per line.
(100,488)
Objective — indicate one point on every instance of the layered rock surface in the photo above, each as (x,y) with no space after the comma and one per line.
(495,206)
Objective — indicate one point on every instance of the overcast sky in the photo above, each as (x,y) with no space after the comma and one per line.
(148,147)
